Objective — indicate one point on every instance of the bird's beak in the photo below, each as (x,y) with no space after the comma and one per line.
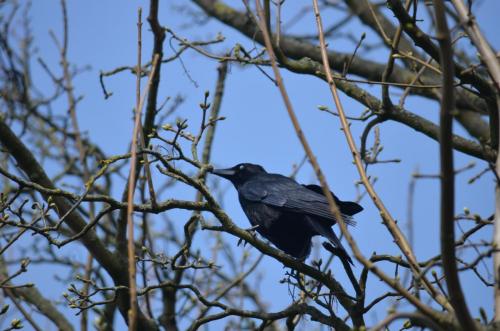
(226,173)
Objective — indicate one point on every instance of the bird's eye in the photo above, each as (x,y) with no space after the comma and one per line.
(242,167)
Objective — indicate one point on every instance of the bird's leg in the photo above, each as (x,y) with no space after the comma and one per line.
(252,233)
(252,229)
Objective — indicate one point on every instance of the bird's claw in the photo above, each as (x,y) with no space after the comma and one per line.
(252,233)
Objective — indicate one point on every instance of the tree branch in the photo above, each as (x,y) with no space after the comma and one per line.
(448,171)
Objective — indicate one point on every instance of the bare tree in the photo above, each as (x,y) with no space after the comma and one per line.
(60,189)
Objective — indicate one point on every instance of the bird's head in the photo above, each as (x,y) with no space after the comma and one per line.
(240,173)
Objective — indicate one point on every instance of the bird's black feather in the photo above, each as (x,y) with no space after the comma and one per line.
(346,207)
(287,213)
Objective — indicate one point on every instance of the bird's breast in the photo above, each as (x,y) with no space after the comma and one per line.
(259,214)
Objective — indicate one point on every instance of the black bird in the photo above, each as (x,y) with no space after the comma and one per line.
(285,212)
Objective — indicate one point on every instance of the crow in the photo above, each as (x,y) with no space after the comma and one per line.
(287,213)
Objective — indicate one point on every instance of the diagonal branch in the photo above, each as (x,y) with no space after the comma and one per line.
(357,318)
(487,54)
(422,40)
(386,216)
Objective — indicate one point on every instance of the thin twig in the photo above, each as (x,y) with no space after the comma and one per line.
(85,291)
(358,319)
(487,54)
(82,155)
(416,320)
(23,311)
(131,187)
(386,100)
(132,312)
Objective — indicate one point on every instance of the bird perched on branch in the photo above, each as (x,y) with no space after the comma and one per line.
(287,213)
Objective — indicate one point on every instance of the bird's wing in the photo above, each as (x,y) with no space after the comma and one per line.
(346,207)
(282,192)
(309,202)
(262,192)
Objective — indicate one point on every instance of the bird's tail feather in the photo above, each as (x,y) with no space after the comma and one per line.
(327,232)
(347,268)
(349,220)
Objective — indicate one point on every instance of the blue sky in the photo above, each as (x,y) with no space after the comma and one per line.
(102,34)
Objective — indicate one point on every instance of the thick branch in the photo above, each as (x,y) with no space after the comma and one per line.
(36,173)
(448,172)
(305,52)
(422,40)
(297,49)
(32,296)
